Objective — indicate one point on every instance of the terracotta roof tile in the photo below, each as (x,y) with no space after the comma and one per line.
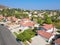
(8,18)
(27,23)
(1,17)
(25,19)
(47,26)
(44,34)
(57,41)
(14,19)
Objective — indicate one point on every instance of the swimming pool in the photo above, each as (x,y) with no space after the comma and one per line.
(40,28)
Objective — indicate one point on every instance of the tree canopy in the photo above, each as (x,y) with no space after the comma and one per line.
(47,19)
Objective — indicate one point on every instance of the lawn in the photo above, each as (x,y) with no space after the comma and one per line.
(26,35)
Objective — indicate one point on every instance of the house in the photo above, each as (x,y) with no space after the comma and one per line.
(25,19)
(11,18)
(8,18)
(14,28)
(14,19)
(27,23)
(57,42)
(1,17)
(44,34)
(47,27)
(55,39)
(41,14)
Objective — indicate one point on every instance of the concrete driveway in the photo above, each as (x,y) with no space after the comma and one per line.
(38,40)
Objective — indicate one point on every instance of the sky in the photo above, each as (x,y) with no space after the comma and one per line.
(32,4)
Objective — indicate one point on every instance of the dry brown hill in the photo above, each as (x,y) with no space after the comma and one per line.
(3,7)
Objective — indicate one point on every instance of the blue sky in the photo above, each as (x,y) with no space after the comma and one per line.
(32,4)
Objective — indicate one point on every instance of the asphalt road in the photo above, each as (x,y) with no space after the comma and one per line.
(6,37)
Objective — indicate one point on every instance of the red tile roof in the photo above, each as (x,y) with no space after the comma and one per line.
(44,34)
(14,19)
(47,26)
(9,18)
(24,19)
(26,23)
(1,17)
(57,41)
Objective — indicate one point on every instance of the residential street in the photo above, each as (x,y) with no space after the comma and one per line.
(6,37)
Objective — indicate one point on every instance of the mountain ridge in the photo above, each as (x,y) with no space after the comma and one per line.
(3,7)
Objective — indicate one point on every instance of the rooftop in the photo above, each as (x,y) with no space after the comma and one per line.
(47,26)
(57,41)
(27,23)
(44,34)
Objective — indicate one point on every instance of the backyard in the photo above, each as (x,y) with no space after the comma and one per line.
(25,36)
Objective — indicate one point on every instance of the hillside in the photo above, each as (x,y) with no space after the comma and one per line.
(3,7)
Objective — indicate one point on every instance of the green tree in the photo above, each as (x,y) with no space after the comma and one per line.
(47,19)
(35,29)
(40,21)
